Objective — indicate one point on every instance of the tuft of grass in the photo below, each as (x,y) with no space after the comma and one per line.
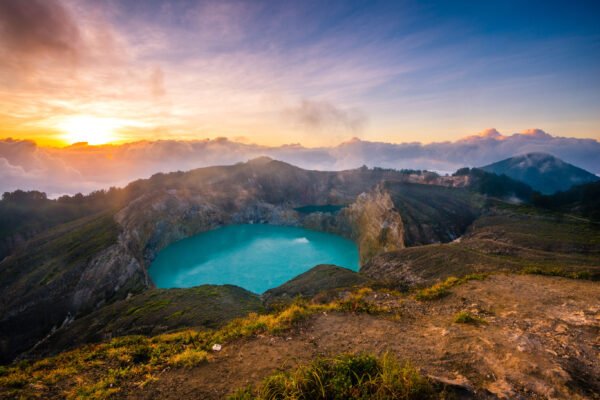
(557,271)
(189,358)
(465,317)
(357,302)
(442,289)
(348,376)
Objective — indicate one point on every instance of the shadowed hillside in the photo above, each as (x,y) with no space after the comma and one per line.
(506,238)
(543,172)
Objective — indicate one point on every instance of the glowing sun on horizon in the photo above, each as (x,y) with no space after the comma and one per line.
(93,130)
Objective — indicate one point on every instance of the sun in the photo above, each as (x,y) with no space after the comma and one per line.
(90,129)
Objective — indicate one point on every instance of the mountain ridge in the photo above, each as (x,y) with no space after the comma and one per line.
(542,171)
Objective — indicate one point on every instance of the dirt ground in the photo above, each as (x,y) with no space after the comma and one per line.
(541,340)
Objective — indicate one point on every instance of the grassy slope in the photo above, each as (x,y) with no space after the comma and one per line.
(513,238)
(156,311)
(43,274)
(322,278)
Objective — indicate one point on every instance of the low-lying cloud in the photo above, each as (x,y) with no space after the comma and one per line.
(82,168)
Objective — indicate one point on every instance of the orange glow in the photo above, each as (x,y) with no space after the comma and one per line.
(93,130)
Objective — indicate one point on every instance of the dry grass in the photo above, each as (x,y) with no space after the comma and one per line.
(105,370)
(350,376)
(442,289)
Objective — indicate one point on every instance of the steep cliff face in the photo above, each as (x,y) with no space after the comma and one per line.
(433,214)
(113,273)
(376,225)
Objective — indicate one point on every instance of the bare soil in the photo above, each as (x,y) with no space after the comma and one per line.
(541,340)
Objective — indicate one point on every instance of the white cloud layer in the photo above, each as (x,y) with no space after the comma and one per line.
(82,168)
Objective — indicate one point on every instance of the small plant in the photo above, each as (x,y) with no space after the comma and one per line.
(189,358)
(442,289)
(465,317)
(357,302)
(434,292)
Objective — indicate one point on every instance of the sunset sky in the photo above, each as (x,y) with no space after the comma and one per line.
(316,73)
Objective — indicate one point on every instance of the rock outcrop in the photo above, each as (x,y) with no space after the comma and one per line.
(376,225)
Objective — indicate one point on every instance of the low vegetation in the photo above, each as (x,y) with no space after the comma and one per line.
(561,272)
(189,358)
(465,317)
(103,370)
(157,311)
(442,289)
(360,376)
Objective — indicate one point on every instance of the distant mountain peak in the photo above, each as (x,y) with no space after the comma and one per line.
(542,171)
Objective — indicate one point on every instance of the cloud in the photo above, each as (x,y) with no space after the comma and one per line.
(157,82)
(23,165)
(36,28)
(322,115)
(53,35)
(82,168)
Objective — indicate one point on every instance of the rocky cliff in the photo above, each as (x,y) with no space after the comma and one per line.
(376,225)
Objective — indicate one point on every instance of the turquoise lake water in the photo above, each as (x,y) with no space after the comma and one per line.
(255,257)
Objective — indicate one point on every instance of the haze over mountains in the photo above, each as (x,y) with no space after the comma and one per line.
(82,168)
(543,172)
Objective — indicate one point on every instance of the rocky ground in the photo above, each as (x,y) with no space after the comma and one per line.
(533,337)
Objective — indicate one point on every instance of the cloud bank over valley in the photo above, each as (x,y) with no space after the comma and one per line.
(83,168)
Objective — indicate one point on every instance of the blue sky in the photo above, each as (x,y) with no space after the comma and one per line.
(316,73)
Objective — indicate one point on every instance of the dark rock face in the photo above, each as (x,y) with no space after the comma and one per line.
(433,214)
